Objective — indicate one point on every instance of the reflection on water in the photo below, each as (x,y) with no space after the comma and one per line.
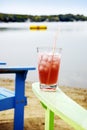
(8,29)
(18,47)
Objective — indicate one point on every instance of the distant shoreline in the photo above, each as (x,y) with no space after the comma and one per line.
(42,18)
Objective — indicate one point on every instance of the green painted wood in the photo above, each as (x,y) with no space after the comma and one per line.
(63,106)
(49,120)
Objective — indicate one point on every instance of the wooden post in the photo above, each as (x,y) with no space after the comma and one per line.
(20,100)
(49,120)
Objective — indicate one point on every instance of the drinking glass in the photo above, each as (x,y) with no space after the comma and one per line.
(48,67)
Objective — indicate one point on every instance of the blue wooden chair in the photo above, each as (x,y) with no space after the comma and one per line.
(15,100)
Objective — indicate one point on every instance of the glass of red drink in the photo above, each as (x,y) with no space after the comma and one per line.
(48,68)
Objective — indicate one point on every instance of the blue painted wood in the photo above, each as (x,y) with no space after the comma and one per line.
(2,63)
(11,69)
(17,99)
(6,93)
(7,103)
(6,99)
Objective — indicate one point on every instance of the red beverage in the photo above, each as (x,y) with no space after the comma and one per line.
(48,68)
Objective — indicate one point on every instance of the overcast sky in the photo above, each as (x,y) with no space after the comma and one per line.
(44,7)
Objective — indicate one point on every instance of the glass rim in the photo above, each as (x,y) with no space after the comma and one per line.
(48,48)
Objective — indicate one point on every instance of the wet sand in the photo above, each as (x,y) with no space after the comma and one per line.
(34,113)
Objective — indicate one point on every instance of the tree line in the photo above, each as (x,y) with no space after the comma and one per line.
(41,18)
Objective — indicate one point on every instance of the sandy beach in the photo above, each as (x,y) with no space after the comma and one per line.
(34,113)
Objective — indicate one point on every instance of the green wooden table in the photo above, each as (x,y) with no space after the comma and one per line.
(60,104)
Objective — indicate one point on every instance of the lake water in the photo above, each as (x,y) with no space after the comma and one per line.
(18,47)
